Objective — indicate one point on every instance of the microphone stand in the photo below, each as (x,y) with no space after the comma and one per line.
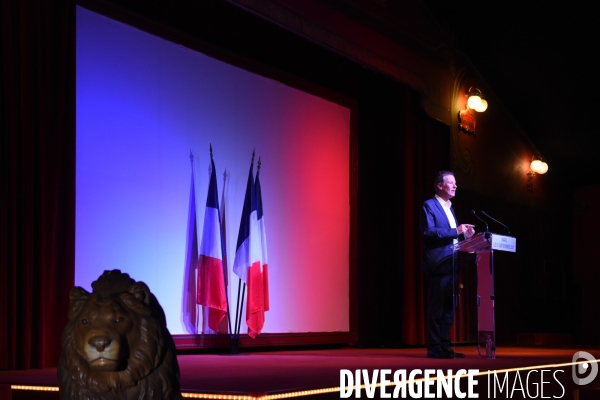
(487,229)
(495,220)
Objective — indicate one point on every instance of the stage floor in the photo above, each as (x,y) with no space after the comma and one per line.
(316,373)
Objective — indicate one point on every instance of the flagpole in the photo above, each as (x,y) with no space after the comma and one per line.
(234,345)
(198,308)
(237,310)
(241,308)
(225,267)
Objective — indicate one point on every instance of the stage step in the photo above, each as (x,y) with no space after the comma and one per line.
(17,392)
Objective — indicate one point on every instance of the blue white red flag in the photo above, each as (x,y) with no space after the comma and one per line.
(247,262)
(264,259)
(190,293)
(225,323)
(211,280)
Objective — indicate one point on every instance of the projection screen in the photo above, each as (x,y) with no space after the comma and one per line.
(147,112)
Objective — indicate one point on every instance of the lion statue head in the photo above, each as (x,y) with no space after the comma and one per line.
(116,344)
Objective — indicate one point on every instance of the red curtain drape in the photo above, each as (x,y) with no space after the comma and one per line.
(38,179)
(427,150)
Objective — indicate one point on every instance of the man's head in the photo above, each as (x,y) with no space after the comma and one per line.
(445,185)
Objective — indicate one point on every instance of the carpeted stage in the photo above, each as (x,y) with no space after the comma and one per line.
(315,374)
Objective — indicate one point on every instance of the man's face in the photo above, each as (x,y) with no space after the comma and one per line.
(447,190)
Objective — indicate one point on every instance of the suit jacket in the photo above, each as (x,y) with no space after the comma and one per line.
(438,236)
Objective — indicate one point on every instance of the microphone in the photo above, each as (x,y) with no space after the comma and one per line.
(482,220)
(495,220)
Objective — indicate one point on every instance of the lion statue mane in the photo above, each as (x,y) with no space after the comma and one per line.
(116,344)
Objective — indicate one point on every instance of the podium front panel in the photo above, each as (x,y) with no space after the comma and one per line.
(483,245)
(486,327)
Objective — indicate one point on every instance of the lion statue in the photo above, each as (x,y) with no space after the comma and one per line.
(116,344)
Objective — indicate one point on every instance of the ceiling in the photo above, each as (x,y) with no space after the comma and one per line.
(542,62)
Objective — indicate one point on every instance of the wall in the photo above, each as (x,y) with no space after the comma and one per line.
(401,40)
(587,275)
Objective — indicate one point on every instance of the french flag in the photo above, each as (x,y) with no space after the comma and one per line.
(247,263)
(211,280)
(264,259)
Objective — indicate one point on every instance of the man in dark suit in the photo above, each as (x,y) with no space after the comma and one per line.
(440,232)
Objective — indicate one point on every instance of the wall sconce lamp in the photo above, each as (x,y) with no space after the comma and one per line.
(466,118)
(475,100)
(535,167)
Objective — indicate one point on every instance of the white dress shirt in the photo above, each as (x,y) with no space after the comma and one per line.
(446,207)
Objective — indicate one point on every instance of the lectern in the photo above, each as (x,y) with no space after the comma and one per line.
(484,244)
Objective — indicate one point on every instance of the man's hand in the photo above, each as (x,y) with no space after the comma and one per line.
(467,229)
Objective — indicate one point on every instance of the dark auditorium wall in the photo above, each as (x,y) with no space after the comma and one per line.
(586,272)
(535,287)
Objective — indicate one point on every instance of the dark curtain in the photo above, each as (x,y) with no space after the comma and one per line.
(401,149)
(427,150)
(38,179)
